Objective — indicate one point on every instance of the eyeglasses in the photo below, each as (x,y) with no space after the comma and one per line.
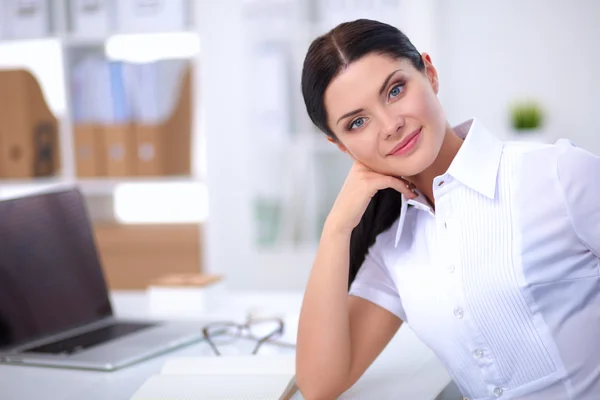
(267,330)
(262,331)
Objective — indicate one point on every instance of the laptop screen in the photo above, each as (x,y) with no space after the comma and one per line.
(50,276)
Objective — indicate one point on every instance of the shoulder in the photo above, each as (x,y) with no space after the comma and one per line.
(578,174)
(527,160)
(558,173)
(574,162)
(528,149)
(559,159)
(564,159)
(537,175)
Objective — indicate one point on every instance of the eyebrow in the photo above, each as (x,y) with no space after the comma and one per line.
(387,80)
(381,90)
(349,114)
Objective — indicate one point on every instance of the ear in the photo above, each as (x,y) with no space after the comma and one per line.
(338,144)
(431,72)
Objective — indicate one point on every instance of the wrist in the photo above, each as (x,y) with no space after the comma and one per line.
(333,229)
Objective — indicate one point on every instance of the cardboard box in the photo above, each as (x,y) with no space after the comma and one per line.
(133,256)
(135,16)
(29,131)
(165,149)
(25,19)
(92,18)
(119,149)
(177,131)
(150,154)
(90,159)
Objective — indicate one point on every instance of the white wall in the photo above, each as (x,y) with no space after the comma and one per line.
(491,52)
(221,68)
(487,53)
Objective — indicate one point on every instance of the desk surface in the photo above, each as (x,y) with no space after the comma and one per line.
(27,383)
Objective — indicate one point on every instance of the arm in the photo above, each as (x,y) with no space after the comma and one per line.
(339,335)
(579,177)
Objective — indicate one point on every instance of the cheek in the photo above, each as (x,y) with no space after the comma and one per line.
(424,106)
(362,146)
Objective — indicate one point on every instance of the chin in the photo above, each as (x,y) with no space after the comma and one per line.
(414,164)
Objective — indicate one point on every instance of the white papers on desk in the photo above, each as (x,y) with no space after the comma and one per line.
(234,365)
(216,378)
(213,387)
(406,369)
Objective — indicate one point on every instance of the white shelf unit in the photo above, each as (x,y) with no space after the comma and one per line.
(74,45)
(67,46)
(234,155)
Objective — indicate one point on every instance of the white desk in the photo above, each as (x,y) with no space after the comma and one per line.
(32,383)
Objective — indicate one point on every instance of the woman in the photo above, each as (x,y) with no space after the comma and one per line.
(488,250)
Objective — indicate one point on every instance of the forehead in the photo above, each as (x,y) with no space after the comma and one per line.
(359,83)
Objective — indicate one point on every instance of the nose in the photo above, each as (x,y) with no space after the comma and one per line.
(391,124)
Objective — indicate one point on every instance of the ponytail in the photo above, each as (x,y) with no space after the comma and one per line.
(382,211)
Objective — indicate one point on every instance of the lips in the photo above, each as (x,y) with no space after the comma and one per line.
(407,143)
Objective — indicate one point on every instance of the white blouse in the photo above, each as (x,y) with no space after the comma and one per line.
(502,282)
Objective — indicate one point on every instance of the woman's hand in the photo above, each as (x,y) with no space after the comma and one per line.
(360,186)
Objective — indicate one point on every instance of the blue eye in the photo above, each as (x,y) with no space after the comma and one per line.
(396,91)
(357,123)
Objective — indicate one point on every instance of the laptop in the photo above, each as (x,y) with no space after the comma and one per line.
(54,304)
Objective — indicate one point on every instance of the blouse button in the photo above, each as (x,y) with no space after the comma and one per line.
(451,268)
(498,392)
(459,313)
(478,353)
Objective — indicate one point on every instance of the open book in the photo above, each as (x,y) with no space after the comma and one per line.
(220,378)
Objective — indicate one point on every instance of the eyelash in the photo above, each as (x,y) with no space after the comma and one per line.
(396,85)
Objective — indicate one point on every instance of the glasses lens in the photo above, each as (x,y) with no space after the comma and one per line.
(222,333)
(265,328)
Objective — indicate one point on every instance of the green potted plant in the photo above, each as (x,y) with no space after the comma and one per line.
(527,118)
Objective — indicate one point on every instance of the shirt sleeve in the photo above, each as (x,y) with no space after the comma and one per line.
(374,283)
(579,177)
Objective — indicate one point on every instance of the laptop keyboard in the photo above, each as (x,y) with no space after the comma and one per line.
(81,342)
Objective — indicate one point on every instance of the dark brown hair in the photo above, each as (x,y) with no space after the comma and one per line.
(327,56)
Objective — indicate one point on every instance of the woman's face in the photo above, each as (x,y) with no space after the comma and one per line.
(386,114)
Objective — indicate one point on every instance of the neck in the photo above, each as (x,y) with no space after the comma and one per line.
(449,149)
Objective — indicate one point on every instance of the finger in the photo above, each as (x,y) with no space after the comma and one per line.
(407,182)
(399,185)
(409,185)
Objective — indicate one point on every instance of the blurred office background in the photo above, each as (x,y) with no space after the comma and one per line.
(183,124)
